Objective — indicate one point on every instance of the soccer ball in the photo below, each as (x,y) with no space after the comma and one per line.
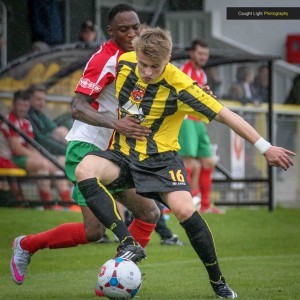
(119,279)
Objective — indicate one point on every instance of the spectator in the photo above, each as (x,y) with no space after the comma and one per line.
(261,84)
(46,132)
(25,156)
(243,90)
(88,32)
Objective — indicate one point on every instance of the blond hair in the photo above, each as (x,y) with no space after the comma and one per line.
(155,43)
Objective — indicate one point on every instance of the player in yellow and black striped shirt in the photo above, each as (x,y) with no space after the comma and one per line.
(160,105)
(159,95)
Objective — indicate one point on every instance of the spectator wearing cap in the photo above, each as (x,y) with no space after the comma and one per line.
(88,32)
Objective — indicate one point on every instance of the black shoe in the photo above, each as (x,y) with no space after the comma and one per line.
(133,252)
(173,241)
(222,290)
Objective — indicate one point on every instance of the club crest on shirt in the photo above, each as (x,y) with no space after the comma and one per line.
(130,108)
(138,93)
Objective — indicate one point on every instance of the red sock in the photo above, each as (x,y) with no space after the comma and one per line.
(141,231)
(46,197)
(205,182)
(65,196)
(62,236)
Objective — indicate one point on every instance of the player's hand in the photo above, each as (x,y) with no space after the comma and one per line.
(279,157)
(208,91)
(131,128)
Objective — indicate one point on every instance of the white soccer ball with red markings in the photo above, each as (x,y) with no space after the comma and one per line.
(119,279)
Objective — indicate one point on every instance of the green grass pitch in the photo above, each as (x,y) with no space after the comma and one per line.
(259,254)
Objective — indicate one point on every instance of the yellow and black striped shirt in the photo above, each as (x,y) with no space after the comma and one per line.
(160,106)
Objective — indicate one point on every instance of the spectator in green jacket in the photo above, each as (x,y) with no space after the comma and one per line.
(45,130)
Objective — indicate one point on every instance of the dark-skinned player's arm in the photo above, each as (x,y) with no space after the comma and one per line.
(128,126)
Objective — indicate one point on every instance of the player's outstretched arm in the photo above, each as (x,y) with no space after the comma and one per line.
(275,156)
(128,126)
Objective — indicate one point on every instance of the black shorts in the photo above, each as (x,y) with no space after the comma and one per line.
(164,172)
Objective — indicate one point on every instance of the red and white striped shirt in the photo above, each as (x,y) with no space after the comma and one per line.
(196,74)
(98,81)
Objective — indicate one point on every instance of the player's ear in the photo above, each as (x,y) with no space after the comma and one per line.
(109,30)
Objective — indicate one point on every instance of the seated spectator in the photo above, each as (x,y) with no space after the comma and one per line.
(261,84)
(243,90)
(88,32)
(46,132)
(25,156)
